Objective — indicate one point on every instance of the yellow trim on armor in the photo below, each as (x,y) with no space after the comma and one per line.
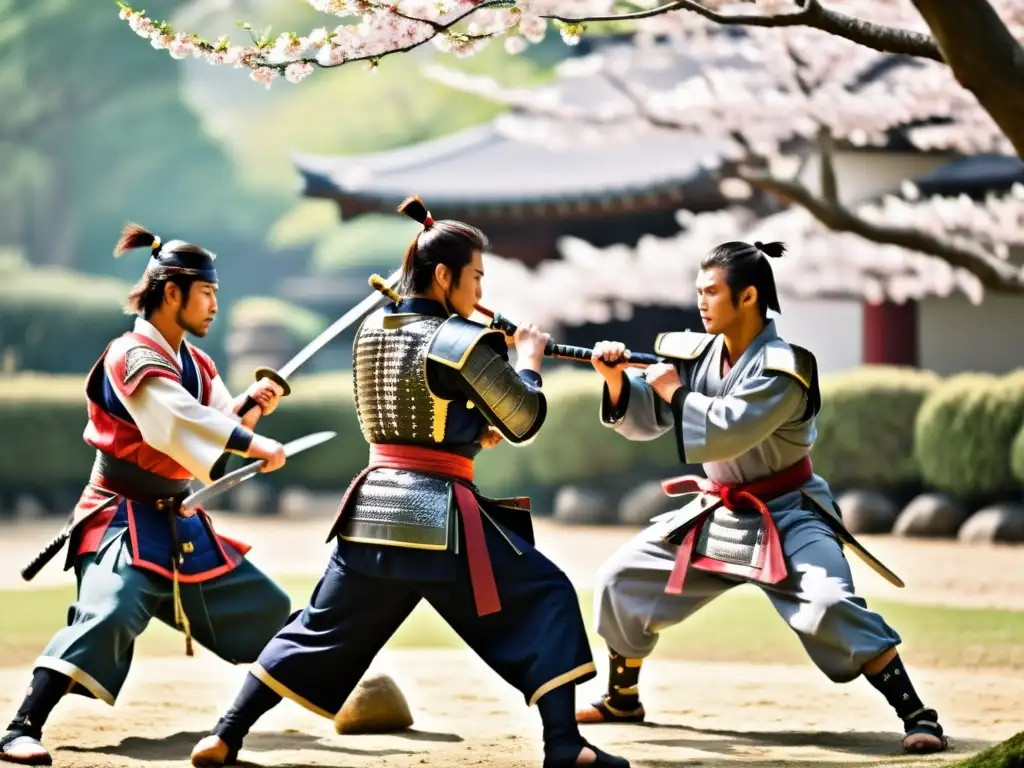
(682,345)
(566,677)
(634,662)
(440,415)
(465,353)
(77,675)
(264,677)
(440,412)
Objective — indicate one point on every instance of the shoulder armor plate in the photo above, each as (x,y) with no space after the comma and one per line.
(791,360)
(515,409)
(682,345)
(456,339)
(799,364)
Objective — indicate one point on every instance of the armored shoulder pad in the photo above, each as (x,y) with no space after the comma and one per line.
(130,362)
(797,363)
(682,345)
(456,339)
(514,408)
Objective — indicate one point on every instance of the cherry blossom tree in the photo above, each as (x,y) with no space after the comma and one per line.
(802,73)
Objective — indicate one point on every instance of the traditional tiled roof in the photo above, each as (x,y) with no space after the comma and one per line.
(485,166)
(494,165)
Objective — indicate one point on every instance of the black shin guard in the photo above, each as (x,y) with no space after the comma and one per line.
(253,701)
(562,739)
(623,679)
(45,690)
(894,683)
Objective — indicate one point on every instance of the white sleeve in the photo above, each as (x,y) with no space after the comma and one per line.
(221,399)
(175,423)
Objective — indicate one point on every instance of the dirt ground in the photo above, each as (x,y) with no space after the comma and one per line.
(702,714)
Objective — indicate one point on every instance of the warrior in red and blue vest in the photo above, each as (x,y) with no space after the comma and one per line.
(159,418)
(432,388)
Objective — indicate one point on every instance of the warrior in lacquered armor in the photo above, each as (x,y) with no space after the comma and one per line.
(742,402)
(159,417)
(432,388)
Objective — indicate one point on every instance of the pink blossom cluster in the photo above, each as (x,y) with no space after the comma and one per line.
(459,27)
(608,281)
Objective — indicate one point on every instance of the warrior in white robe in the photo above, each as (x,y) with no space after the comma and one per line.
(159,417)
(741,402)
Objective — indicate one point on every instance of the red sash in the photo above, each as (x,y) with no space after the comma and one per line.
(414,458)
(771,565)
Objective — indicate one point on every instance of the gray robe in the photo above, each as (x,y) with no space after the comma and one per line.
(754,422)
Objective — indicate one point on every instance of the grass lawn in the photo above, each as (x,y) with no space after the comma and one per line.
(740,626)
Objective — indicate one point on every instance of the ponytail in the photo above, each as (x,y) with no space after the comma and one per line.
(447,242)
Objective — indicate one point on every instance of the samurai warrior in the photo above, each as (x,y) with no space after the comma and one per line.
(742,402)
(159,417)
(432,389)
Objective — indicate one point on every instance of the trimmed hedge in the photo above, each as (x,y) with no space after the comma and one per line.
(56,320)
(879,427)
(866,427)
(1017,456)
(42,418)
(965,434)
(573,445)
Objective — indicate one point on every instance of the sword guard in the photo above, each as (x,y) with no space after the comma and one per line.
(269,373)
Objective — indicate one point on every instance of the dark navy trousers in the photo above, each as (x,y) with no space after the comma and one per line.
(537,641)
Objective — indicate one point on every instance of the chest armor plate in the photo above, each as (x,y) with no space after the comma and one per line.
(389,369)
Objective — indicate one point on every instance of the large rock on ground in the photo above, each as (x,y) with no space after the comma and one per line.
(375,706)
(582,506)
(997,523)
(930,515)
(645,501)
(867,511)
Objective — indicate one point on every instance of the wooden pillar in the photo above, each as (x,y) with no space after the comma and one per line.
(890,334)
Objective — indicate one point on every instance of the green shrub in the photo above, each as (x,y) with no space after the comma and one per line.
(1017,456)
(42,419)
(965,434)
(866,427)
(56,320)
(573,445)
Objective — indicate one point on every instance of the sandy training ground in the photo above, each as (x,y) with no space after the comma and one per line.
(711,713)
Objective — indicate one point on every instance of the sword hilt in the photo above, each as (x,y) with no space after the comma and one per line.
(378,284)
(49,551)
(567,352)
(266,373)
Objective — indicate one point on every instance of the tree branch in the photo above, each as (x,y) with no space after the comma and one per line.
(984,56)
(878,37)
(993,272)
(829,182)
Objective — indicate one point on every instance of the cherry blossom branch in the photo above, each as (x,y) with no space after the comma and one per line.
(396,32)
(994,273)
(814,15)
(984,56)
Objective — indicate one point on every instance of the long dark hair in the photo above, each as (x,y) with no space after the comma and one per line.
(187,264)
(745,265)
(445,241)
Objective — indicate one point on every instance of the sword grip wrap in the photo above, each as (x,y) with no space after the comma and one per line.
(269,373)
(265,373)
(29,571)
